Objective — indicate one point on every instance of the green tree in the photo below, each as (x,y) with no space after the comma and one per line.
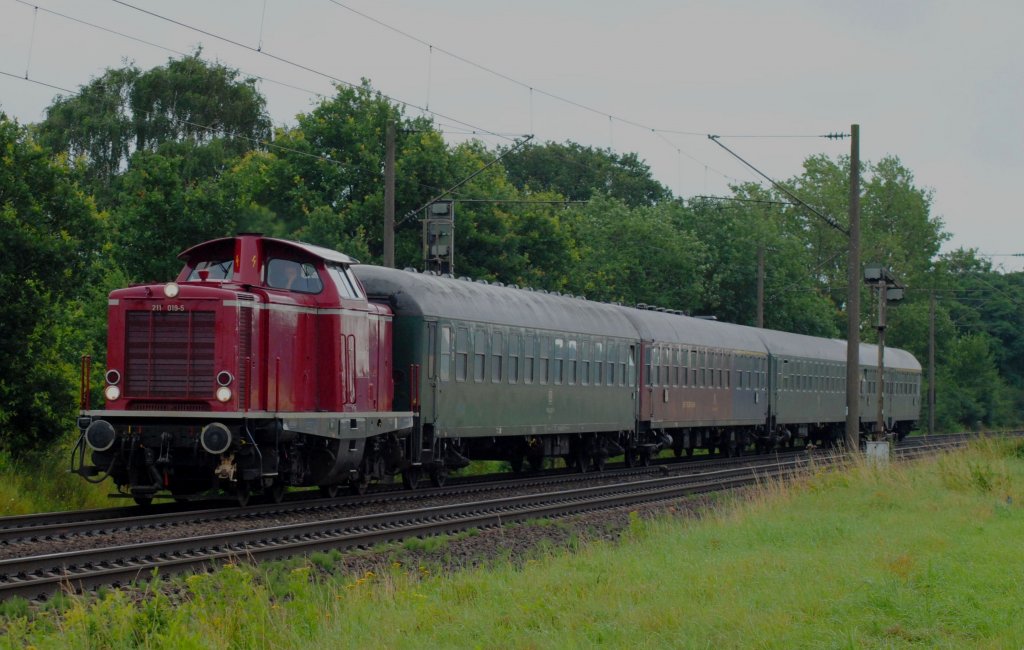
(50,234)
(187,101)
(579,173)
(160,211)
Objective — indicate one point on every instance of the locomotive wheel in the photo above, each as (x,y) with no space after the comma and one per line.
(645,459)
(411,477)
(516,462)
(329,491)
(689,452)
(243,493)
(145,502)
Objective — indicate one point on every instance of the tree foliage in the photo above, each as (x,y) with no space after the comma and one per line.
(184,152)
(49,232)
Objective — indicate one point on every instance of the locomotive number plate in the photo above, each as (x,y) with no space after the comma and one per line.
(167,307)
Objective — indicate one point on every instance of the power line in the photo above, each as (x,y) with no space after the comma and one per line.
(533,89)
(295,64)
(161,47)
(829,220)
(742,200)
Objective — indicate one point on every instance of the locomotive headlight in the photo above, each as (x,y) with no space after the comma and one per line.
(112,393)
(113,377)
(223,394)
(171,289)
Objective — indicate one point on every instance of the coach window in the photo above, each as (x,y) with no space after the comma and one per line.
(291,275)
(479,354)
(545,356)
(571,354)
(585,348)
(461,354)
(513,358)
(528,356)
(611,364)
(446,353)
(497,356)
(559,357)
(631,365)
(666,363)
(598,362)
(650,365)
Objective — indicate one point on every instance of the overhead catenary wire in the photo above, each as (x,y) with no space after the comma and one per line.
(295,64)
(165,48)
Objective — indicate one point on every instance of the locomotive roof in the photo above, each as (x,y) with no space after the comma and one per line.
(421,294)
(326,254)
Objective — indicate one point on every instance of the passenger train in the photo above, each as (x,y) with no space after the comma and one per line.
(271,363)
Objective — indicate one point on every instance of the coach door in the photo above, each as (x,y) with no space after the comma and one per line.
(438,371)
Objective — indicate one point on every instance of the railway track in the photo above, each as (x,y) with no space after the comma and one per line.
(39,575)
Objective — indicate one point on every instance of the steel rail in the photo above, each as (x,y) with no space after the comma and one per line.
(38,576)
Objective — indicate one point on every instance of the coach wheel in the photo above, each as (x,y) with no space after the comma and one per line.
(631,458)
(439,475)
(645,458)
(411,477)
(580,460)
(599,462)
(329,491)
(689,452)
(145,502)
(276,491)
(360,484)
(516,463)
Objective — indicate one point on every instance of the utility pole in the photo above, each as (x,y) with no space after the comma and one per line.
(853,300)
(389,195)
(931,363)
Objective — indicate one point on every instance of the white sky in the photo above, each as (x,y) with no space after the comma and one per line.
(937,83)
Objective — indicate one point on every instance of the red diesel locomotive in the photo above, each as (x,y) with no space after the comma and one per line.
(262,366)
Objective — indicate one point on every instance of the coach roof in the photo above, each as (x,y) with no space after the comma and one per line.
(421,294)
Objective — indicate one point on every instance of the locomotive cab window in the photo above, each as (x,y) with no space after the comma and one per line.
(292,275)
(347,285)
(214,270)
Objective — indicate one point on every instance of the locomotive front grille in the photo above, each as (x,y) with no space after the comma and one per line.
(169,354)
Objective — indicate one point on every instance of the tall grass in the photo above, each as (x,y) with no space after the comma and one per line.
(920,556)
(44,483)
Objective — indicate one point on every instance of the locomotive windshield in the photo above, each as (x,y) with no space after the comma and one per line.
(217,270)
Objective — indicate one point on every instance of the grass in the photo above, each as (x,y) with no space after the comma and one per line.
(920,556)
(45,484)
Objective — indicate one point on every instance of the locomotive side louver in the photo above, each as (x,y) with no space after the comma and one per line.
(169,354)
